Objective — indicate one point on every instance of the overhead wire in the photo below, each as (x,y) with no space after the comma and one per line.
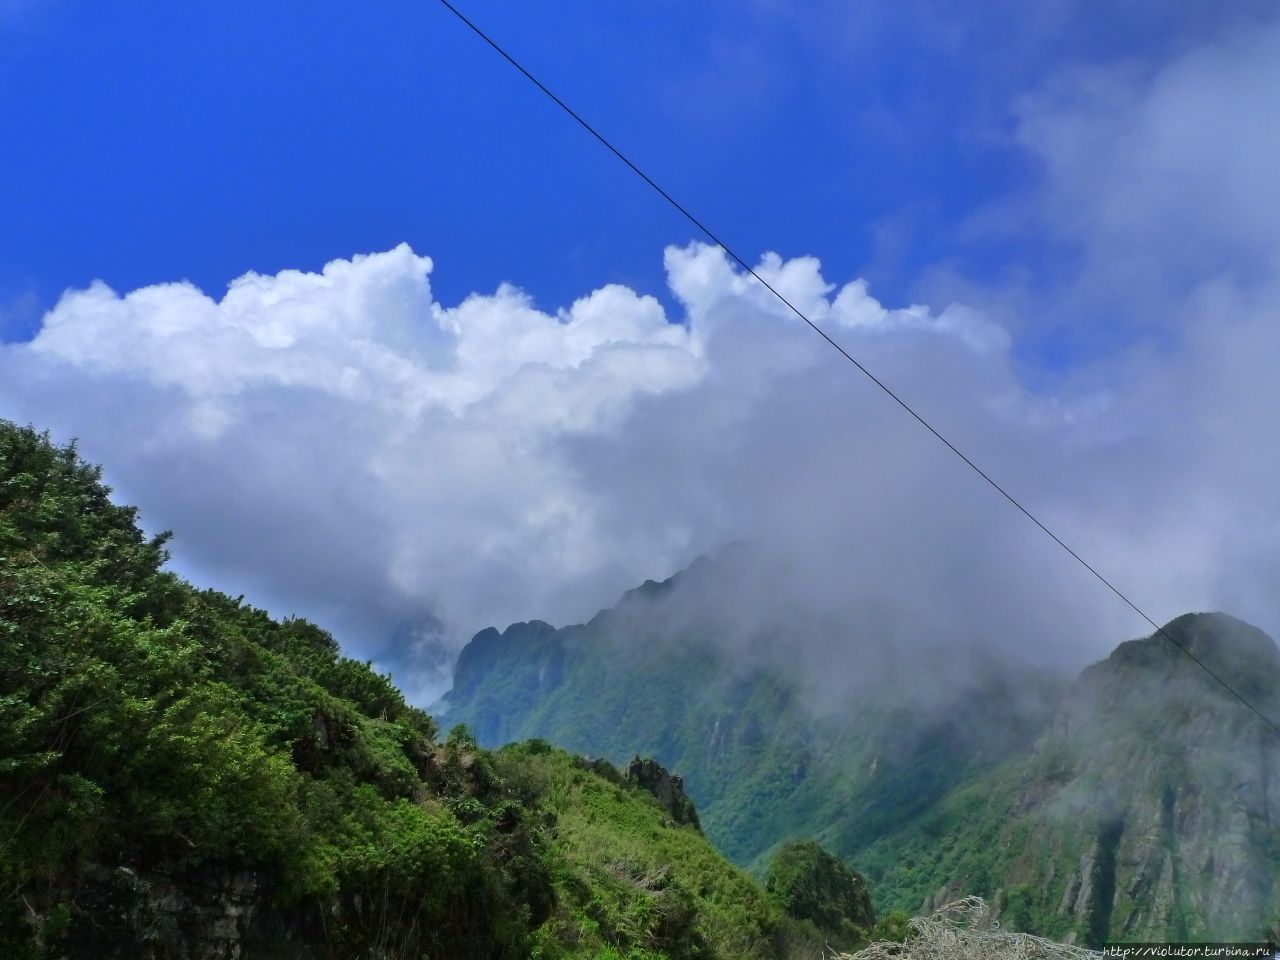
(884,387)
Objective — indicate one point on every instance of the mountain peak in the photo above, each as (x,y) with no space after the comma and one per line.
(1234,650)
(1215,630)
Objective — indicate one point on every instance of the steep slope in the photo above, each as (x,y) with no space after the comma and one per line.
(631,882)
(1145,808)
(815,885)
(762,765)
(183,777)
(1151,807)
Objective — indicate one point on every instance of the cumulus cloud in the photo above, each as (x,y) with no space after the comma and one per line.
(340,445)
(343,446)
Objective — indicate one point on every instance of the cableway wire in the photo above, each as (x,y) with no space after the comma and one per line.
(888,391)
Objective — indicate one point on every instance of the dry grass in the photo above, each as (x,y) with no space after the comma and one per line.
(965,930)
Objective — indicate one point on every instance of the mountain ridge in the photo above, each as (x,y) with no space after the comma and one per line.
(970,799)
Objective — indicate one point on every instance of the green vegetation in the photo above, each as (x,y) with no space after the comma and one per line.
(164,745)
(1089,812)
(959,841)
(812,885)
(627,874)
(897,792)
(179,770)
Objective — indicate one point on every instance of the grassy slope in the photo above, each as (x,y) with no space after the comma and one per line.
(628,875)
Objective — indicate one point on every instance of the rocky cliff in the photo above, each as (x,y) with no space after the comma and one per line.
(1151,806)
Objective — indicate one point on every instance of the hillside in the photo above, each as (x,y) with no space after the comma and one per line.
(762,764)
(183,777)
(1147,809)
(1150,806)
(1135,802)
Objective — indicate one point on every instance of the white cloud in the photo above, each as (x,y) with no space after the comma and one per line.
(1160,175)
(343,446)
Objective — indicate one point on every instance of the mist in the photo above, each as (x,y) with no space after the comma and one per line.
(379,484)
(343,446)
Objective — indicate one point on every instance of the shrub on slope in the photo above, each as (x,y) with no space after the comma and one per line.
(182,776)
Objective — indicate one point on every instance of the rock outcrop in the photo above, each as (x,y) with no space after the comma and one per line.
(140,914)
(668,788)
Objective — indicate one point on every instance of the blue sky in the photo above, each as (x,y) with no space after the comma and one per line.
(154,142)
(1080,197)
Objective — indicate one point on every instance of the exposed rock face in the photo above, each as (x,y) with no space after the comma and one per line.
(121,912)
(669,789)
(1152,805)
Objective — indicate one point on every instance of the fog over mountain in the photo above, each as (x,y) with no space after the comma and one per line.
(410,471)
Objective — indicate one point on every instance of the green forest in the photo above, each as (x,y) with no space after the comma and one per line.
(183,776)
(1087,810)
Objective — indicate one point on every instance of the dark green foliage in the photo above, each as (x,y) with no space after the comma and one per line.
(633,883)
(869,779)
(146,723)
(1011,789)
(895,926)
(961,837)
(157,741)
(811,884)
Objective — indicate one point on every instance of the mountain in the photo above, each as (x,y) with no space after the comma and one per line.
(183,777)
(1151,806)
(1138,801)
(654,674)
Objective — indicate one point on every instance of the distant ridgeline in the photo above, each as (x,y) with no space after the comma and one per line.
(1141,801)
(182,777)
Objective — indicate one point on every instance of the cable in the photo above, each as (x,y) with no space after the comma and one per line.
(844,353)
